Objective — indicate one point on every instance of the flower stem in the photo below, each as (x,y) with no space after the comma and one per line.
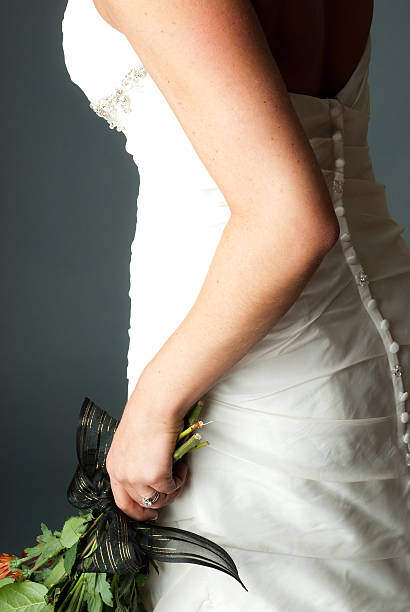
(205,443)
(187,446)
(89,545)
(190,429)
(194,414)
(93,524)
(71,592)
(80,599)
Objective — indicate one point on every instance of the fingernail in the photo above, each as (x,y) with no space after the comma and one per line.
(154,518)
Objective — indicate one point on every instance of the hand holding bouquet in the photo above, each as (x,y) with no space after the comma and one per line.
(100,559)
(141,459)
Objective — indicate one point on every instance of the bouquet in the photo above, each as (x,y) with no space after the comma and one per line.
(101,558)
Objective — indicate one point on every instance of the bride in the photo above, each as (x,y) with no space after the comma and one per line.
(269,279)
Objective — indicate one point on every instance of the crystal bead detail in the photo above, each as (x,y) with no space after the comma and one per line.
(338,185)
(108,107)
(362,279)
(396,371)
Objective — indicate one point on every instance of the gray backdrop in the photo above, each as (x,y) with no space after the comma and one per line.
(68,216)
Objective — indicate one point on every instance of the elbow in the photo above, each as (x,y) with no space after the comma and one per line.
(325,231)
(319,240)
(328,235)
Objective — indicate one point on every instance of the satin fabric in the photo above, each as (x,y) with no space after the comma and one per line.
(307,440)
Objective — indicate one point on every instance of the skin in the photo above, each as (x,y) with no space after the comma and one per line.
(215,62)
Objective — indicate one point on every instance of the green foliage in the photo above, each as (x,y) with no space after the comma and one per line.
(41,574)
(69,558)
(5,581)
(127,596)
(49,545)
(92,597)
(104,589)
(55,574)
(24,596)
(72,530)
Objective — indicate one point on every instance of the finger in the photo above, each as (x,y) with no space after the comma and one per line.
(180,473)
(180,476)
(164,499)
(127,504)
(170,484)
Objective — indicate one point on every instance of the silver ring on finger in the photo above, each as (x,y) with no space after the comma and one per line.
(151,499)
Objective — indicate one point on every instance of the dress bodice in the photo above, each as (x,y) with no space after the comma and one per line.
(120,90)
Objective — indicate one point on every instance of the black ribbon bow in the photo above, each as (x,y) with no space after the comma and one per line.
(125,545)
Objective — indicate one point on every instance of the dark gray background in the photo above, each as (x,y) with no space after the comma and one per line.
(68,216)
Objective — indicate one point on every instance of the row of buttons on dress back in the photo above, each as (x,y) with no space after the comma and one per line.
(362,279)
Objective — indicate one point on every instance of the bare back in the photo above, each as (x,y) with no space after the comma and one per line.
(316,43)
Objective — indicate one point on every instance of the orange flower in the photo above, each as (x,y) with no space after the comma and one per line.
(5,567)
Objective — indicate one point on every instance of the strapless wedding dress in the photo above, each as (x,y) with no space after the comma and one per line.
(306,479)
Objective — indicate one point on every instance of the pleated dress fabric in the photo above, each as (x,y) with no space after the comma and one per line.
(305,481)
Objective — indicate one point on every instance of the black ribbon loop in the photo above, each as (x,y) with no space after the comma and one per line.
(125,545)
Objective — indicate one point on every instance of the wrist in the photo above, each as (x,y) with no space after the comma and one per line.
(149,398)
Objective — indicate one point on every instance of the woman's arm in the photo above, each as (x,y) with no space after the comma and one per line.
(211,61)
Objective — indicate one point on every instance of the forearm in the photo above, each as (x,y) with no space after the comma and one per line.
(255,276)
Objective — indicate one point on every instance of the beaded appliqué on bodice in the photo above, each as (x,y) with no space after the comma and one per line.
(110,106)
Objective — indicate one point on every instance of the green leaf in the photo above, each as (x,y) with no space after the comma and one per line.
(45,551)
(56,573)
(48,546)
(69,558)
(104,589)
(41,574)
(46,531)
(89,577)
(73,528)
(5,581)
(24,596)
(53,594)
(87,516)
(114,589)
(140,579)
(125,586)
(92,597)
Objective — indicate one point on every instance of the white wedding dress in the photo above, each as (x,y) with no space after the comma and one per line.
(306,479)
